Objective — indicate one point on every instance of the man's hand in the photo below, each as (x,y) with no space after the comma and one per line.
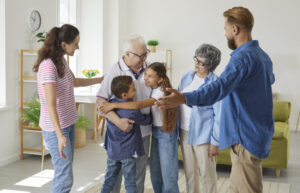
(105,107)
(213,151)
(62,142)
(125,124)
(174,99)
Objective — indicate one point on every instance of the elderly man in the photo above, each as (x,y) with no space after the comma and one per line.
(133,64)
(246,123)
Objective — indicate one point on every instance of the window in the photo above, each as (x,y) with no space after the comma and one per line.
(87,16)
(68,14)
(2,55)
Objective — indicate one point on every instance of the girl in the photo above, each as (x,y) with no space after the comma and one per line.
(164,156)
(56,85)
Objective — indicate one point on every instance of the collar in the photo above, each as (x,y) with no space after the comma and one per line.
(206,79)
(124,67)
(245,45)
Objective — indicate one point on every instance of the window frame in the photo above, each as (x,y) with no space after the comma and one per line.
(60,23)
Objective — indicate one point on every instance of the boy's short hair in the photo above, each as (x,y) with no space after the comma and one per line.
(120,84)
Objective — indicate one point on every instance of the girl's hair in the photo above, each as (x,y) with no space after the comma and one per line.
(169,115)
(52,47)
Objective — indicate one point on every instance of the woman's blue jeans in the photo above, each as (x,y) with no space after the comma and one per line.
(164,161)
(63,172)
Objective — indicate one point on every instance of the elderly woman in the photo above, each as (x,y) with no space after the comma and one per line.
(199,126)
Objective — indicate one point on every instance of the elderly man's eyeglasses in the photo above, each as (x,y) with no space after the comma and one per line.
(198,61)
(144,55)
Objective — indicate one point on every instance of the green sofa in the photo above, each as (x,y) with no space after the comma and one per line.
(280,145)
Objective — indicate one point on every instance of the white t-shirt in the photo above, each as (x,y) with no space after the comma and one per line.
(156,112)
(185,111)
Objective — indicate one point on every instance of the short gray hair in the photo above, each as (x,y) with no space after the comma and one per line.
(130,40)
(211,54)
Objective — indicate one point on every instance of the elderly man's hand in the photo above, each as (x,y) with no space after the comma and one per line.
(174,99)
(125,124)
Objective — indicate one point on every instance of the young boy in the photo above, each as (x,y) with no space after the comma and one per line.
(123,148)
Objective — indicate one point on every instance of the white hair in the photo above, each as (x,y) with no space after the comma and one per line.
(131,40)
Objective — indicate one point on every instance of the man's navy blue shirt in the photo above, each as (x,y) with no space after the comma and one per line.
(246,112)
(119,144)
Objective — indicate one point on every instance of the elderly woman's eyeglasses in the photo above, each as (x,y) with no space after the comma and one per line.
(198,61)
(144,55)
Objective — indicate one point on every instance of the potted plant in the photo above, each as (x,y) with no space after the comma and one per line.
(41,36)
(152,45)
(31,112)
(81,125)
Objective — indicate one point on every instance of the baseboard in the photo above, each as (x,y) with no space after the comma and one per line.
(9,159)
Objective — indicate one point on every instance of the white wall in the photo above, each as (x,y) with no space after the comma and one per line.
(2,54)
(183,25)
(18,37)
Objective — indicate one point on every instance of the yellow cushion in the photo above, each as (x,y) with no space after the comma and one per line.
(281,130)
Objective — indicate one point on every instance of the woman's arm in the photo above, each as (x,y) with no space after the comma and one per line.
(106,106)
(78,82)
(50,93)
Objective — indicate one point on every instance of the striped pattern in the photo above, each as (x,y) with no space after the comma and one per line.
(223,184)
(65,101)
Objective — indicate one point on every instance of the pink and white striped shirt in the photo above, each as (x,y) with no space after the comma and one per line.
(65,101)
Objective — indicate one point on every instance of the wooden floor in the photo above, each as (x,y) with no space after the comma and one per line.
(25,176)
(223,184)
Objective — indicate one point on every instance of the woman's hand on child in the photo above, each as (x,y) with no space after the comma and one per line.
(105,107)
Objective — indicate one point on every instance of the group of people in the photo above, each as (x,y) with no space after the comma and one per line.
(205,113)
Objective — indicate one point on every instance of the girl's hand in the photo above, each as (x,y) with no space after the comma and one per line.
(105,107)
(62,142)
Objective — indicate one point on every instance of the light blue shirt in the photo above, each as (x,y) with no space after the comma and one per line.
(204,126)
(247,105)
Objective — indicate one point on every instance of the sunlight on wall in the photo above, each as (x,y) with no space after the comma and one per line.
(37,180)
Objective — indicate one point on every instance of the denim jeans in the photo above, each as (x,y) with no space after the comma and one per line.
(141,164)
(63,171)
(164,161)
(113,169)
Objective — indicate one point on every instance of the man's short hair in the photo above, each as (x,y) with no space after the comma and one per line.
(120,84)
(131,40)
(240,16)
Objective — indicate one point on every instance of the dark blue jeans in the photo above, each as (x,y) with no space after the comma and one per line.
(63,170)
(113,168)
(164,161)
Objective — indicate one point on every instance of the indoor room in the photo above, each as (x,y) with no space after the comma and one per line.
(177,35)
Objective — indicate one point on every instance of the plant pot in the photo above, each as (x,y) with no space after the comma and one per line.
(152,48)
(80,138)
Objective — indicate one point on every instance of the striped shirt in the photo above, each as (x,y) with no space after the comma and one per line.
(65,101)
